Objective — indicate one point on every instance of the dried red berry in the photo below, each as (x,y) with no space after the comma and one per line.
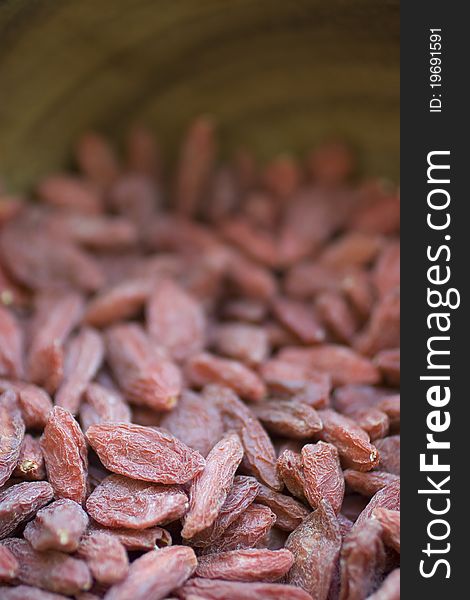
(290,470)
(176,320)
(369,483)
(65,455)
(20,502)
(288,418)
(55,318)
(137,539)
(245,565)
(51,570)
(9,566)
(103,405)
(142,371)
(315,545)
(351,441)
(82,360)
(34,402)
(106,557)
(390,521)
(58,526)
(205,368)
(362,561)
(30,464)
(322,475)
(155,574)
(144,453)
(122,502)
(209,489)
(387,497)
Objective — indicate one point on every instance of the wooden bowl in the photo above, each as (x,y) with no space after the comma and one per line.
(277,76)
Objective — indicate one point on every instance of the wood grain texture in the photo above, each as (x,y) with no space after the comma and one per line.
(277,76)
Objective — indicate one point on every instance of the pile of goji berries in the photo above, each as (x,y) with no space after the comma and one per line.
(199,378)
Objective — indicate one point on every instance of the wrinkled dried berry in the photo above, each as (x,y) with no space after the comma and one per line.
(116,303)
(355,249)
(240,341)
(388,362)
(122,502)
(103,405)
(322,475)
(144,373)
(69,193)
(391,407)
(251,279)
(373,421)
(30,466)
(245,565)
(40,262)
(144,453)
(390,521)
(387,497)
(155,574)
(362,561)
(288,418)
(55,318)
(35,404)
(209,489)
(340,362)
(351,441)
(65,454)
(82,360)
(205,368)
(389,449)
(195,164)
(51,570)
(20,502)
(315,545)
(176,320)
(369,483)
(9,566)
(383,329)
(95,232)
(299,319)
(350,398)
(58,526)
(106,557)
(335,313)
(290,470)
(297,381)
(137,539)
